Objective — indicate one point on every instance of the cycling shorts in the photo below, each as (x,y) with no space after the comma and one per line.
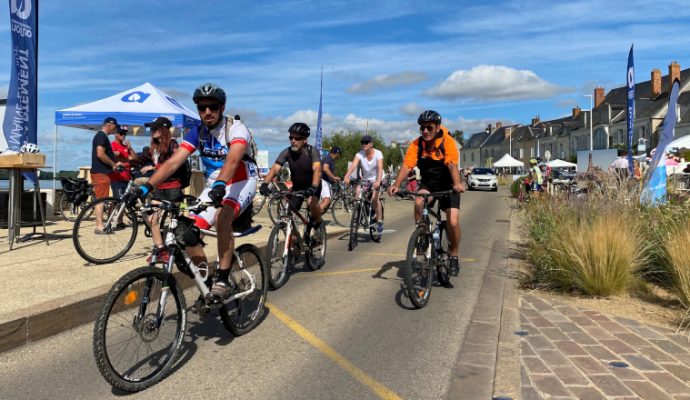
(325,189)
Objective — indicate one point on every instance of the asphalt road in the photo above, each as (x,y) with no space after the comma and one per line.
(345,332)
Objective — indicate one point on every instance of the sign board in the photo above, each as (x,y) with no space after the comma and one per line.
(262,161)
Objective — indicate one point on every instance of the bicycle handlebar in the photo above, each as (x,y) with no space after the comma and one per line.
(403,193)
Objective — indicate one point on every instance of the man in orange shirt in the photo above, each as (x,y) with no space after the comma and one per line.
(436,155)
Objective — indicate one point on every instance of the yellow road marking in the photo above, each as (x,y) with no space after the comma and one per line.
(381,391)
(348,271)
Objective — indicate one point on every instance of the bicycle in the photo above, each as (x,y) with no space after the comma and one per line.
(141,324)
(75,193)
(428,251)
(286,245)
(273,206)
(363,214)
(342,202)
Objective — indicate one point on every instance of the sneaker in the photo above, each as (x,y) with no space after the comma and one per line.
(162,255)
(454,269)
(221,289)
(379,228)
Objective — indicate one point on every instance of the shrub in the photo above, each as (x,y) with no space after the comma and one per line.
(678,266)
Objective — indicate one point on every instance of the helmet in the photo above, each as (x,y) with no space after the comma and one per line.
(300,128)
(29,148)
(209,91)
(429,116)
(533,161)
(336,149)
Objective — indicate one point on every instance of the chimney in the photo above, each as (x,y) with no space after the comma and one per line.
(656,83)
(576,111)
(506,132)
(489,129)
(499,124)
(599,96)
(535,121)
(673,74)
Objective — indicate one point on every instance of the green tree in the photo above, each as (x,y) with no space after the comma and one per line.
(459,136)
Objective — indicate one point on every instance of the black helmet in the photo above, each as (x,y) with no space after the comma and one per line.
(300,128)
(209,91)
(336,150)
(429,116)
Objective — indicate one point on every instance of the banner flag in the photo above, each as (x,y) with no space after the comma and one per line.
(631,108)
(319,130)
(654,192)
(22,98)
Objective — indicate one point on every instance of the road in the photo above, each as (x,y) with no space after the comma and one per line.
(345,332)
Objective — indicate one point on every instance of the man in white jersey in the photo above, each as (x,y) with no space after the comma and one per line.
(231,172)
(370,161)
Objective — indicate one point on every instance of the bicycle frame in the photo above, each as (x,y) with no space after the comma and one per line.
(289,217)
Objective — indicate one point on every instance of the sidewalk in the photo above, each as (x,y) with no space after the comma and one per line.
(46,290)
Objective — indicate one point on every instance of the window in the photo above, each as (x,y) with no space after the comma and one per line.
(472,157)
(620,136)
(521,155)
(492,153)
(531,152)
(643,135)
(560,150)
(600,139)
(464,159)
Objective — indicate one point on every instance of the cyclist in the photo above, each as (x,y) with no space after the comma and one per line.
(225,151)
(370,161)
(328,176)
(537,177)
(437,156)
(304,162)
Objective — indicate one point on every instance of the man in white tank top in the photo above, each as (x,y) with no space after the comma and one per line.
(370,162)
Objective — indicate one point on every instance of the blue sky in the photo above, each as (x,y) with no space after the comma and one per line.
(384,61)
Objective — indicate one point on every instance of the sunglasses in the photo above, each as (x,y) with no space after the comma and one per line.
(296,138)
(212,107)
(365,141)
(429,128)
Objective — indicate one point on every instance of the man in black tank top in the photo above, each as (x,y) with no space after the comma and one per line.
(304,163)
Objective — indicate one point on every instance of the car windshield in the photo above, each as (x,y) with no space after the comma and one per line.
(482,171)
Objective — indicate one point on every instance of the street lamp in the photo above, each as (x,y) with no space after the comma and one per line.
(591,121)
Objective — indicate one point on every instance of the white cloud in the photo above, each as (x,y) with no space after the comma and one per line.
(383,81)
(411,109)
(494,82)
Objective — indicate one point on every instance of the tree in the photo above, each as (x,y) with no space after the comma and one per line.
(459,136)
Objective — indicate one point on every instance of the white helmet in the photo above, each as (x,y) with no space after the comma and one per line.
(29,148)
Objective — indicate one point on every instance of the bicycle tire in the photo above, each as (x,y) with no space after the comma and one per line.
(103,248)
(418,270)
(275,209)
(122,312)
(258,204)
(373,228)
(316,255)
(248,310)
(278,264)
(352,243)
(443,266)
(341,211)
(67,210)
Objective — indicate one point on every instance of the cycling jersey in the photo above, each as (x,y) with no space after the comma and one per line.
(300,164)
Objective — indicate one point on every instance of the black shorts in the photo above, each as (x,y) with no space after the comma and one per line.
(445,202)
(173,195)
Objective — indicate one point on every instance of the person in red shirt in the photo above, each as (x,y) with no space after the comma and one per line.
(122,149)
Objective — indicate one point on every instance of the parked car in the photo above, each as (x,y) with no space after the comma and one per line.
(563,176)
(483,179)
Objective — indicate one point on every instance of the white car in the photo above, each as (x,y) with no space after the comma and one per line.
(483,179)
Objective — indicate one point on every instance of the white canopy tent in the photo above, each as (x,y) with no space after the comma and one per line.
(562,164)
(508,162)
(681,142)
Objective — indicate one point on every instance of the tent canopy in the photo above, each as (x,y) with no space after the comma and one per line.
(133,107)
(561,164)
(507,161)
(683,141)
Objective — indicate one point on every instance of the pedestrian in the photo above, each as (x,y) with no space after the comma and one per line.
(124,153)
(619,167)
(102,164)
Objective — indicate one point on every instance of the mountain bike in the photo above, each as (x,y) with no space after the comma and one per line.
(286,245)
(75,193)
(363,214)
(273,204)
(342,202)
(141,324)
(428,251)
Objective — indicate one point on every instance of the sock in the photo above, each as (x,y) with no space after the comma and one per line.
(223,275)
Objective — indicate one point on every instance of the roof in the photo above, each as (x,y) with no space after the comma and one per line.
(475,140)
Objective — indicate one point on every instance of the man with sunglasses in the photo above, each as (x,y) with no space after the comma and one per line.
(370,162)
(436,155)
(230,170)
(304,162)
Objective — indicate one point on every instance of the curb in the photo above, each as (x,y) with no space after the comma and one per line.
(51,318)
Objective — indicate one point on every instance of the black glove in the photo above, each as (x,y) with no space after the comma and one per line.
(139,193)
(263,189)
(217,193)
(312,191)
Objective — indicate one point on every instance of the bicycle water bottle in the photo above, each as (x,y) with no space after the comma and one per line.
(437,238)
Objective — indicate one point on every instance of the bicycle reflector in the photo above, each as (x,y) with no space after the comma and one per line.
(130,298)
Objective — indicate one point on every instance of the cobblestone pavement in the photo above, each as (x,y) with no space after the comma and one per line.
(568,352)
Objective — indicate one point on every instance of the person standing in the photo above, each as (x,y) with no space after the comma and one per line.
(103,163)
(370,160)
(328,176)
(124,153)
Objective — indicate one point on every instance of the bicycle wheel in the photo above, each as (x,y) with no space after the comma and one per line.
(443,254)
(276,207)
(373,227)
(114,241)
(419,275)
(258,204)
(135,341)
(244,314)
(278,262)
(354,226)
(316,255)
(67,209)
(341,211)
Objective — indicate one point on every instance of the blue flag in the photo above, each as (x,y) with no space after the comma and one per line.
(319,129)
(631,107)
(654,192)
(22,97)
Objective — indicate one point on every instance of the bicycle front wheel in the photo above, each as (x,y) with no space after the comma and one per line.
(276,207)
(341,211)
(316,257)
(101,246)
(443,256)
(67,209)
(243,314)
(419,276)
(354,226)
(278,261)
(139,329)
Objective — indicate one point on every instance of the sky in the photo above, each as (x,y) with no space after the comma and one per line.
(383,61)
